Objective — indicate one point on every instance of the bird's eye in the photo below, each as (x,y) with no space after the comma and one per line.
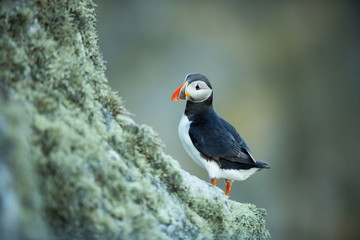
(197,87)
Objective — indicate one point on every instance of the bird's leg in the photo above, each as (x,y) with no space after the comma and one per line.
(213,181)
(228,186)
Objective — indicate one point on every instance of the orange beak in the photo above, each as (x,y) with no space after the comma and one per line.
(179,93)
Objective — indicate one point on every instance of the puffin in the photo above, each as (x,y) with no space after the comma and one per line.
(209,140)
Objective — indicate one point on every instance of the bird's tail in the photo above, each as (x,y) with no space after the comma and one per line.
(260,164)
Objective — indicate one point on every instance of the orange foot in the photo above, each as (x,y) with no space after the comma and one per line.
(213,181)
(228,186)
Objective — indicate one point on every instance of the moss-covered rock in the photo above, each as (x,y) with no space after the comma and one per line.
(73,163)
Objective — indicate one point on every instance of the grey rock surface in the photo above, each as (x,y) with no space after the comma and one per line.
(73,163)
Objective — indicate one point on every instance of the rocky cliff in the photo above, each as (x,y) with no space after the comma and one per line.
(73,164)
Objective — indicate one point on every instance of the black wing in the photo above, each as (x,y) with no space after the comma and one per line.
(218,140)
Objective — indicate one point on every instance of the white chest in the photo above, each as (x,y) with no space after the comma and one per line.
(187,143)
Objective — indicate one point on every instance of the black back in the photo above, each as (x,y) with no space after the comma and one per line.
(218,140)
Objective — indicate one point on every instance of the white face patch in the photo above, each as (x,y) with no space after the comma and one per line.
(198,91)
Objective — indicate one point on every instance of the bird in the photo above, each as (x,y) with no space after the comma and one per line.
(209,140)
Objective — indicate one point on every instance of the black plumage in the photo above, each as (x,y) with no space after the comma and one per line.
(218,140)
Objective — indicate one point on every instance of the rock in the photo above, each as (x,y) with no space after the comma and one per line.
(74,165)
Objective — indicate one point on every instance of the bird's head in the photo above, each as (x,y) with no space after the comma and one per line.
(196,88)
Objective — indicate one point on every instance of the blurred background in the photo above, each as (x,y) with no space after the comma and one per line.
(286,75)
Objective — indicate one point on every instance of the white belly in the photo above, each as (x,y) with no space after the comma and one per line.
(212,167)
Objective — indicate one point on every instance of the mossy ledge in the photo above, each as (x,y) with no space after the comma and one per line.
(73,164)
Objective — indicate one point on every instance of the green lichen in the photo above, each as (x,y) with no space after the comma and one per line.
(20,199)
(94,173)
